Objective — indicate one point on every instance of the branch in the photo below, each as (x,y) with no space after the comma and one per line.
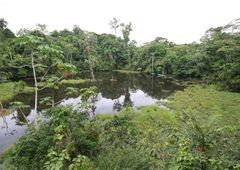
(59,101)
(20,66)
(42,78)
(51,84)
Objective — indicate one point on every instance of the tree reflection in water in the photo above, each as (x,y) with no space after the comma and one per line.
(17,117)
(117,106)
(5,126)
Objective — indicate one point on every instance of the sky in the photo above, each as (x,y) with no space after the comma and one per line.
(180,21)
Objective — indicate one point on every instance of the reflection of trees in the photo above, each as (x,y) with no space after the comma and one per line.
(111,86)
(117,106)
(6,127)
(22,114)
(156,87)
(3,114)
(153,86)
(127,100)
(19,117)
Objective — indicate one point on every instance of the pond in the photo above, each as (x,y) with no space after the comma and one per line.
(116,91)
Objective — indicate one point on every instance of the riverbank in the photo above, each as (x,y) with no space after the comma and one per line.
(75,81)
(10,89)
(127,71)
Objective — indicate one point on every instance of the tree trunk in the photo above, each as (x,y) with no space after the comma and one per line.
(152,64)
(53,98)
(70,59)
(163,70)
(129,58)
(67,57)
(91,70)
(10,54)
(35,84)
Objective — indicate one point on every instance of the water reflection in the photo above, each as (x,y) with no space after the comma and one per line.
(11,128)
(115,91)
(105,105)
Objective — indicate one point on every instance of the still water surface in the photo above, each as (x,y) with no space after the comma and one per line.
(115,90)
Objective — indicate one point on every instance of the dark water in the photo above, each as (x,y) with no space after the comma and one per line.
(115,90)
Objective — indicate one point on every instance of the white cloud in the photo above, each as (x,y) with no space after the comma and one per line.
(180,21)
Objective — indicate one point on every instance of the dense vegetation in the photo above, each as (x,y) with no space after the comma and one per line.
(198,129)
(214,60)
(202,134)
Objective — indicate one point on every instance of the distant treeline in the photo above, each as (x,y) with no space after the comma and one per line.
(216,59)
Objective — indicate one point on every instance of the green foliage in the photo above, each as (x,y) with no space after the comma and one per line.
(19,86)
(5,33)
(10,89)
(57,144)
(200,131)
(57,161)
(196,101)
(127,71)
(31,149)
(4,157)
(214,60)
(81,163)
(71,91)
(18,105)
(46,101)
(123,158)
(207,122)
(73,81)
(86,93)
